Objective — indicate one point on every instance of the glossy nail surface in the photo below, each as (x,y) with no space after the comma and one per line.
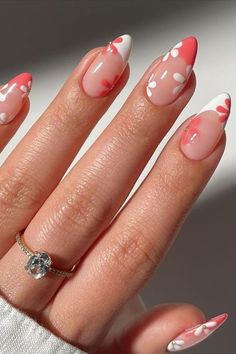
(12,96)
(197,334)
(206,128)
(172,74)
(107,68)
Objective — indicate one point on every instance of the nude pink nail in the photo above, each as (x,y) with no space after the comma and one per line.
(206,128)
(105,71)
(172,74)
(197,334)
(12,96)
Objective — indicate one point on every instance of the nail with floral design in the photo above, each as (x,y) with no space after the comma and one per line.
(12,96)
(105,71)
(172,74)
(206,128)
(197,334)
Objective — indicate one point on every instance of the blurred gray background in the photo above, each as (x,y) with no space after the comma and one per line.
(48,38)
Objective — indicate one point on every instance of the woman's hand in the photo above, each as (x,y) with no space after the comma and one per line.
(76,220)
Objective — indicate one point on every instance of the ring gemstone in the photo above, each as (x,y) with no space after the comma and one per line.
(38,264)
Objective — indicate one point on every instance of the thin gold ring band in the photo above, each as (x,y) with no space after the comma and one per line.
(40,263)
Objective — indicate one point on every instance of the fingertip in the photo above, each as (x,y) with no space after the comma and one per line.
(155,329)
(76,79)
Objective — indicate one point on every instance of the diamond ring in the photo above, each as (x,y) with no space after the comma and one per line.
(40,263)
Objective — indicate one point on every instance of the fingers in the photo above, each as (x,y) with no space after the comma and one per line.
(87,199)
(14,106)
(83,204)
(168,327)
(40,160)
(121,261)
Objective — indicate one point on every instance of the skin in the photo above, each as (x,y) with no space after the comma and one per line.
(73,219)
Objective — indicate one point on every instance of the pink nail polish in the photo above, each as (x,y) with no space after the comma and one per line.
(197,334)
(12,96)
(107,68)
(172,74)
(206,128)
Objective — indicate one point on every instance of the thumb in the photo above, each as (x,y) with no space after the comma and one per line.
(167,327)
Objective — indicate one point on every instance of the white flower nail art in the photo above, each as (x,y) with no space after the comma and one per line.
(11,94)
(3,96)
(3,117)
(26,89)
(151,84)
(175,345)
(4,87)
(174,52)
(181,79)
(205,328)
(164,74)
(194,335)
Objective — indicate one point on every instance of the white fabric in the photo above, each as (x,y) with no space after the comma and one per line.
(20,334)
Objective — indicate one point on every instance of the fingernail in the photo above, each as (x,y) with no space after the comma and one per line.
(197,334)
(172,74)
(12,96)
(105,71)
(206,128)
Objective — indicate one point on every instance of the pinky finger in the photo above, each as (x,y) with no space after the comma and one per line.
(14,106)
(166,328)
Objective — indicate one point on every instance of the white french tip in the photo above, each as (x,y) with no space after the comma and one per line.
(124,47)
(215,102)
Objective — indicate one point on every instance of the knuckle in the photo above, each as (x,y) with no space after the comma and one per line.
(69,104)
(134,125)
(59,113)
(132,131)
(19,190)
(135,251)
(172,180)
(81,211)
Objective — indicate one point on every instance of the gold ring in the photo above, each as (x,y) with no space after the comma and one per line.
(40,263)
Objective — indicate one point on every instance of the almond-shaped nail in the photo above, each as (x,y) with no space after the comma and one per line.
(197,334)
(12,96)
(171,75)
(205,130)
(106,69)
